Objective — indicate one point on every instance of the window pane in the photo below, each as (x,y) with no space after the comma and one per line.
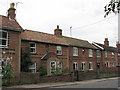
(32,47)
(4,35)
(75,51)
(32,44)
(4,42)
(32,50)
(59,50)
(0,34)
(90,53)
(0,42)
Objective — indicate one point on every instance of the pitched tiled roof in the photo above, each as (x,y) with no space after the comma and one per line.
(9,24)
(48,55)
(53,39)
(78,42)
(108,48)
(42,37)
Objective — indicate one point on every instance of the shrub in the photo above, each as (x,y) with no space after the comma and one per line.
(86,70)
(7,70)
(66,70)
(42,71)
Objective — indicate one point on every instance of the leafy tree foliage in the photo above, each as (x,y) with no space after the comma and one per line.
(113,6)
(26,61)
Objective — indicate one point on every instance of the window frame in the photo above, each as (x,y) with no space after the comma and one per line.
(33,68)
(76,65)
(51,67)
(32,47)
(113,54)
(113,64)
(90,64)
(106,54)
(84,66)
(90,52)
(98,53)
(1,38)
(75,51)
(59,49)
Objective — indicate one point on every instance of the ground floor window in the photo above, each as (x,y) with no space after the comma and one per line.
(107,64)
(33,67)
(90,66)
(75,66)
(83,66)
(55,67)
(113,64)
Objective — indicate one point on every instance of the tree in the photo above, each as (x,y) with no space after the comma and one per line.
(26,61)
(113,6)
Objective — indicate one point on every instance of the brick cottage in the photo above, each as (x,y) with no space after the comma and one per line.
(48,50)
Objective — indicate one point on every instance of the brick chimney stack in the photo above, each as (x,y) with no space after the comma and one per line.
(118,45)
(11,12)
(106,42)
(58,32)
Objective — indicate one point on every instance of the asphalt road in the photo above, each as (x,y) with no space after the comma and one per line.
(100,84)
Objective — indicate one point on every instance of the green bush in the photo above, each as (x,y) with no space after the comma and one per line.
(42,71)
(86,70)
(66,71)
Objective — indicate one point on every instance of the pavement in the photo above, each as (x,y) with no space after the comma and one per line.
(58,84)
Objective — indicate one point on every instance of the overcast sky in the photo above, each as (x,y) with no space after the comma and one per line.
(85,16)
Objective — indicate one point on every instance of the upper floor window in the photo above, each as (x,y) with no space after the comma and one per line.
(75,51)
(3,38)
(113,54)
(59,50)
(98,53)
(33,47)
(106,54)
(90,53)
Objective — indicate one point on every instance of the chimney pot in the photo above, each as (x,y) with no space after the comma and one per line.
(106,42)
(58,32)
(11,12)
(12,5)
(57,26)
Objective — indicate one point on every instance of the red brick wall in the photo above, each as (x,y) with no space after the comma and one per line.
(36,78)
(41,50)
(14,44)
(81,58)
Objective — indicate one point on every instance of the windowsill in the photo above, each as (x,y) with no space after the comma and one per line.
(90,56)
(34,53)
(75,55)
(59,54)
(3,47)
(90,69)
(98,56)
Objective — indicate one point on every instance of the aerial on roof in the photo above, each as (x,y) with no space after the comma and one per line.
(6,23)
(108,48)
(53,39)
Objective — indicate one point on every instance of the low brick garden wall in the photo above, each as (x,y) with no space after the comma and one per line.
(36,78)
(87,75)
(28,78)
